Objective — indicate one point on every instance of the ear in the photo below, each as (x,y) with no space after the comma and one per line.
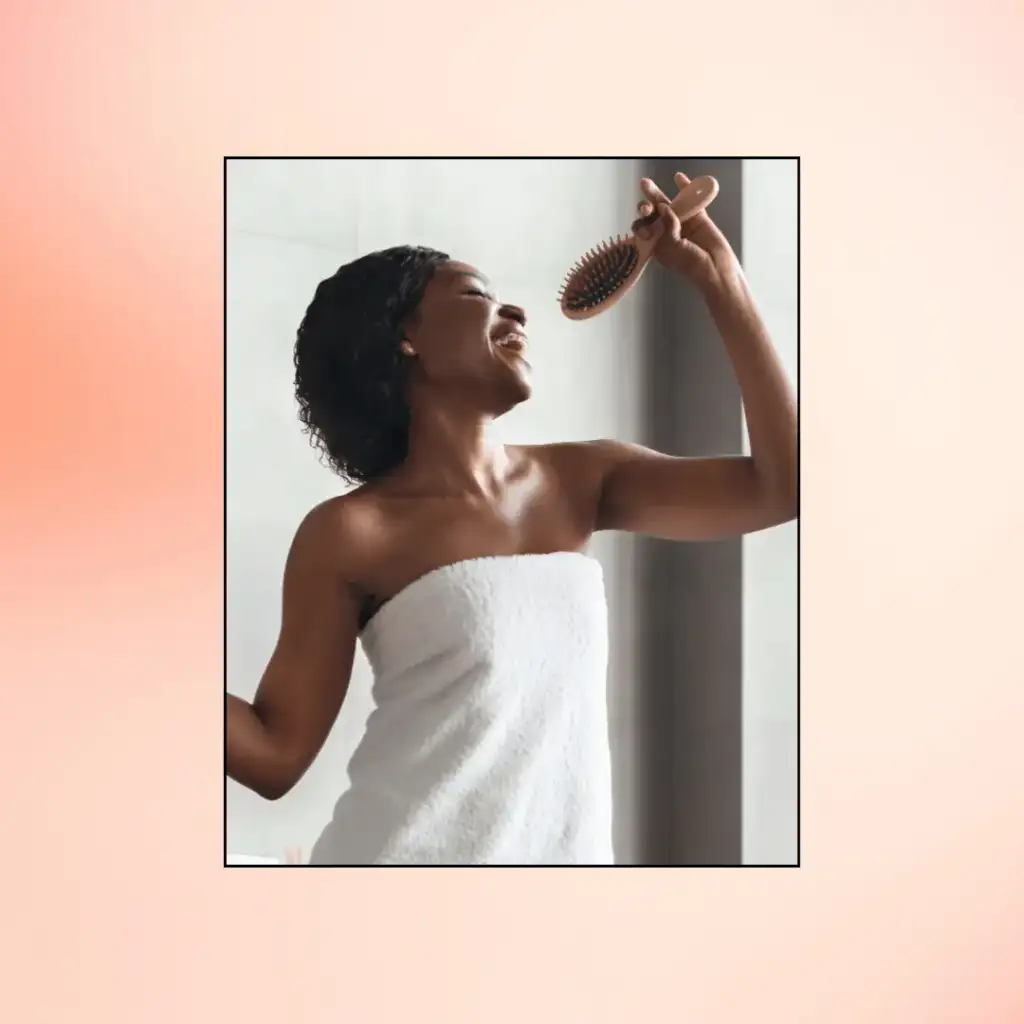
(406,347)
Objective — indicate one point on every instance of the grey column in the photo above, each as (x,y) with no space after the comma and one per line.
(690,594)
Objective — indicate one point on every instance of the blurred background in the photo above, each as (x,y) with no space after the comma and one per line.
(702,681)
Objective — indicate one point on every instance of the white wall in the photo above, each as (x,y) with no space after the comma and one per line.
(770,558)
(292,223)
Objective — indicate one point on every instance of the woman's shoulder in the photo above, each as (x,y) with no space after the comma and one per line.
(575,465)
(572,455)
(348,529)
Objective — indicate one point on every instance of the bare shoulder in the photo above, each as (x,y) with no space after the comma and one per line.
(344,531)
(579,463)
(579,469)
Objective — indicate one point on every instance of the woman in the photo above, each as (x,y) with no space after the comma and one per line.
(458,561)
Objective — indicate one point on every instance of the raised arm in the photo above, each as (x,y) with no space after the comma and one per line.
(643,491)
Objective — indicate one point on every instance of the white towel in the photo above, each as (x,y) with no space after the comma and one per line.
(489,741)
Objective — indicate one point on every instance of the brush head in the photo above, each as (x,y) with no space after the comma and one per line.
(605,274)
(596,281)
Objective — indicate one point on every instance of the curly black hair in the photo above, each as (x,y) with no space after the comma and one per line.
(350,374)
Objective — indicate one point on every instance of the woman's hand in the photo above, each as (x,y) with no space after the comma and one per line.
(696,249)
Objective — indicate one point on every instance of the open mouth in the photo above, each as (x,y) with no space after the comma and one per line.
(513,342)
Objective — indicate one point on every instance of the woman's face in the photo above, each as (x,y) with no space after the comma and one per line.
(467,342)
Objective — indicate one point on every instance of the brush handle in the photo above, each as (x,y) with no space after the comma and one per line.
(690,200)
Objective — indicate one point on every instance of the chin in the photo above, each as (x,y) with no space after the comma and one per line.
(512,400)
(515,392)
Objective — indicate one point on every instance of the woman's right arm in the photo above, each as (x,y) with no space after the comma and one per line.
(272,741)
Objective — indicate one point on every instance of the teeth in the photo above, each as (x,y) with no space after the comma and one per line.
(508,339)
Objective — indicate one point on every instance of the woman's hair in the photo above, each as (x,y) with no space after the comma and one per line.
(350,373)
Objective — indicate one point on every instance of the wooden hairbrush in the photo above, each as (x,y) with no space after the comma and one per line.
(606,273)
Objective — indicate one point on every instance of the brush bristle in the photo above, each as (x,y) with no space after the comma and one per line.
(599,274)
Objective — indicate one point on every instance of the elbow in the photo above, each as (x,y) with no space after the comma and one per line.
(779,496)
(787,491)
(279,783)
(261,759)
(267,787)
(271,781)
(791,505)
(286,774)
(793,493)
(782,505)
(273,790)
(777,513)
(788,505)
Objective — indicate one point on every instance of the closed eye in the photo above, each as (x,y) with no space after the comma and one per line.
(513,313)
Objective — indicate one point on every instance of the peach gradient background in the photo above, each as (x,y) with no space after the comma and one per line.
(910,904)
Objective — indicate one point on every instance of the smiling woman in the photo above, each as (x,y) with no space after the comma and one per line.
(458,562)
(456,332)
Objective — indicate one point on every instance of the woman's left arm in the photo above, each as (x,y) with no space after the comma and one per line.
(643,491)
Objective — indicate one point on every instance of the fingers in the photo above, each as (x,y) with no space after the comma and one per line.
(652,192)
(645,223)
(644,210)
(698,242)
(657,201)
(655,212)
(669,219)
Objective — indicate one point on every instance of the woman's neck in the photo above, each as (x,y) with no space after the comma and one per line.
(456,452)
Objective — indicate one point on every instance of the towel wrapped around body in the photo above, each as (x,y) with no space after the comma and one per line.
(489,740)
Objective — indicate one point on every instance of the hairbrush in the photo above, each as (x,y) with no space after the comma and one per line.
(606,273)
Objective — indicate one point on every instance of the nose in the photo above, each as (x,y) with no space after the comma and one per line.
(515,313)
